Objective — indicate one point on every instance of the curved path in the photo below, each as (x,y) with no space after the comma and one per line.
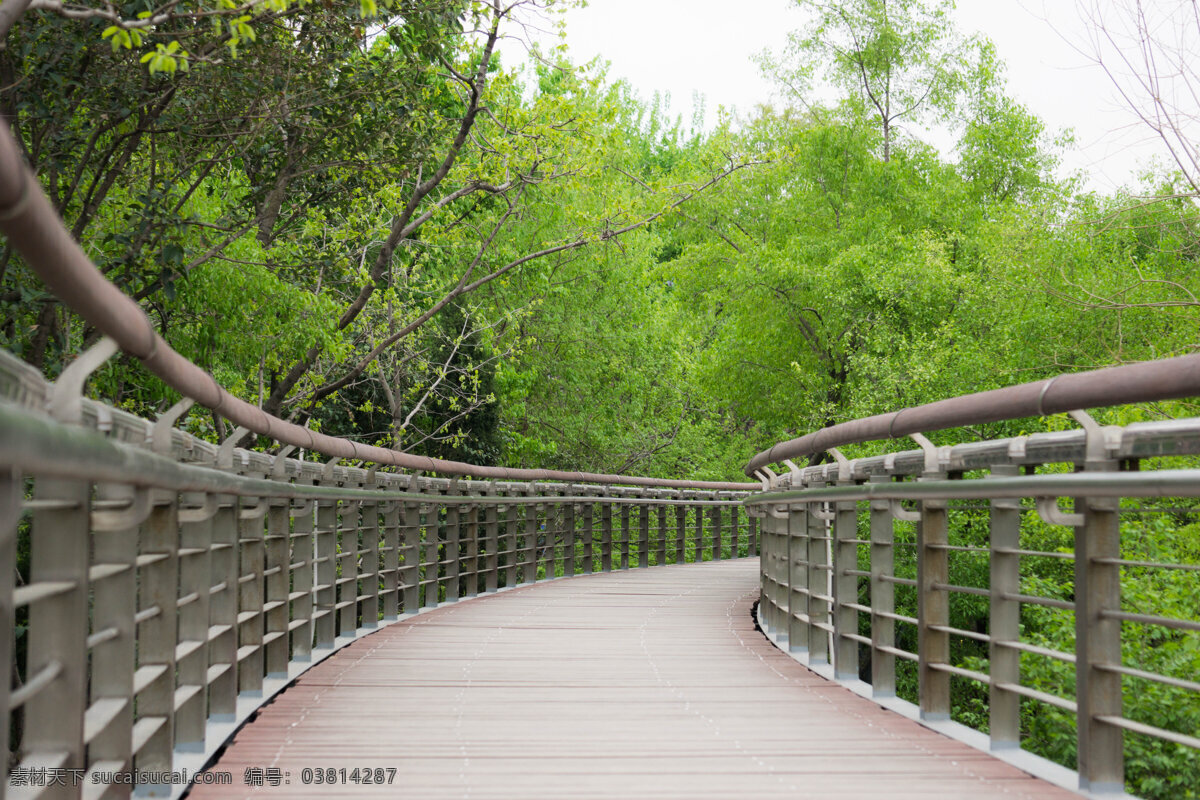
(642,683)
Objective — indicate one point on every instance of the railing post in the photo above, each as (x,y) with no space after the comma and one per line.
(1101,761)
(625,507)
(529,558)
(796,578)
(10,514)
(432,526)
(1005,617)
(366,566)
(845,587)
(752,534)
(933,606)
(548,555)
(58,624)
(325,590)
(587,535)
(157,639)
(766,568)
(252,550)
(606,537)
(275,638)
(470,560)
(765,572)
(680,532)
(349,533)
(817,582)
(191,713)
(491,526)
(114,606)
(552,551)
(302,577)
(698,547)
(643,536)
(883,596)
(661,545)
(451,531)
(781,537)
(735,533)
(511,545)
(410,524)
(222,610)
(392,576)
(777,530)
(569,539)
(718,531)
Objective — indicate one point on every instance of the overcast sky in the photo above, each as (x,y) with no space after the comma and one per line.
(689,47)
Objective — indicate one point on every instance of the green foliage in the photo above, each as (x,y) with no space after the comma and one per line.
(895,61)
(232,24)
(243,186)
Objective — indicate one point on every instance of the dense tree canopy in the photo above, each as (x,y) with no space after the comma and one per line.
(365,219)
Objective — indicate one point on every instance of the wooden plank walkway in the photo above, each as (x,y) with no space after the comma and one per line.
(643,683)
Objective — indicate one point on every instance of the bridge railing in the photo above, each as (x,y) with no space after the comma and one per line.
(159,588)
(923,572)
(156,588)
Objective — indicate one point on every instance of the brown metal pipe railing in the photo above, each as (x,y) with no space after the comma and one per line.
(33,227)
(166,597)
(1150,381)
(829,594)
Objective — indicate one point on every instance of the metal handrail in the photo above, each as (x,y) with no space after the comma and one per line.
(816,571)
(1150,381)
(35,230)
(36,445)
(1157,483)
(174,587)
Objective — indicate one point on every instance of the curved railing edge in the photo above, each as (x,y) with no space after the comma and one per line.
(110,450)
(822,575)
(77,450)
(1149,381)
(33,227)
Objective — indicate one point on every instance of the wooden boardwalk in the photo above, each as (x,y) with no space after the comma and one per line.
(645,683)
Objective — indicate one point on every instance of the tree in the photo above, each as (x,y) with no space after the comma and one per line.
(600,368)
(312,220)
(898,59)
(159,33)
(1003,149)
(1145,239)
(854,273)
(842,264)
(159,175)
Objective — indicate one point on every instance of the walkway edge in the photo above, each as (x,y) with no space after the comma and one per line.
(1035,765)
(193,762)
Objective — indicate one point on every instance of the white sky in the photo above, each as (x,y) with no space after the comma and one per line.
(690,47)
